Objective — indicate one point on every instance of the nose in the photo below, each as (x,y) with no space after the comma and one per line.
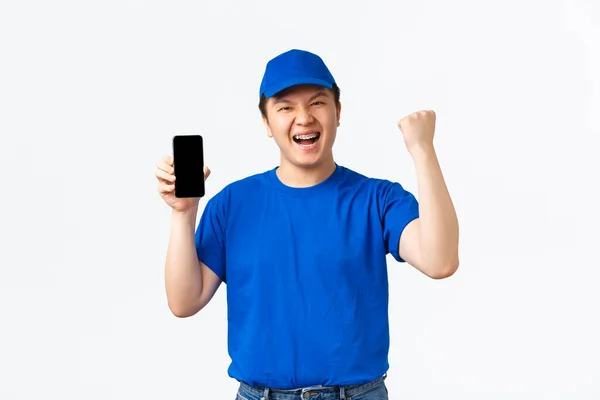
(303,117)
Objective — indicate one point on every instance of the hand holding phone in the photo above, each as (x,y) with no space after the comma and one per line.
(182,189)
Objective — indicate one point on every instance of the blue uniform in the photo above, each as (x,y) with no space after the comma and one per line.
(306,275)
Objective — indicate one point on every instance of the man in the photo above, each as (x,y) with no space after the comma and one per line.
(302,247)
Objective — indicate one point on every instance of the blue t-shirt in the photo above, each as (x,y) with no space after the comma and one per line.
(306,275)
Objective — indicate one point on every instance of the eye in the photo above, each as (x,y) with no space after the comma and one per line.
(317,102)
(285,108)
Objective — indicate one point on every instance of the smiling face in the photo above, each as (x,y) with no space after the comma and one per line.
(303,121)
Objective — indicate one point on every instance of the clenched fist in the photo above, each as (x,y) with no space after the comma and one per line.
(418,129)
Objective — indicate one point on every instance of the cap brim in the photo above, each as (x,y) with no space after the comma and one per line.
(279,86)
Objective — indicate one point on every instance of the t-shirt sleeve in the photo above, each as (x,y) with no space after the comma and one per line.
(399,208)
(210,237)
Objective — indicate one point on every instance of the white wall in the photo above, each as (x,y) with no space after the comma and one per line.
(92,92)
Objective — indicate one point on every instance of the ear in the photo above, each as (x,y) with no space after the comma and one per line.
(267,127)
(339,112)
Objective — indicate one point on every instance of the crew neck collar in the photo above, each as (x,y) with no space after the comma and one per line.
(329,182)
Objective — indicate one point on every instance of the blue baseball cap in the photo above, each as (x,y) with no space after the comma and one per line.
(294,67)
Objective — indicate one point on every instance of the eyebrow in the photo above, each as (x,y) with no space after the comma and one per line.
(314,96)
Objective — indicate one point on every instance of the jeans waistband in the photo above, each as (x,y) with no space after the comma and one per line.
(344,391)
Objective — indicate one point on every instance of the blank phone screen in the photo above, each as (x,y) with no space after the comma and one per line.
(188,163)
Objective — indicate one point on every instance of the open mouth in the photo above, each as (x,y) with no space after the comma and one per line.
(307,139)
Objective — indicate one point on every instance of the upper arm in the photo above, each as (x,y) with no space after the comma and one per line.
(409,247)
(402,227)
(210,285)
(400,215)
(210,241)
(210,248)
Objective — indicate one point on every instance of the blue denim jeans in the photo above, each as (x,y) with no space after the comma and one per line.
(375,390)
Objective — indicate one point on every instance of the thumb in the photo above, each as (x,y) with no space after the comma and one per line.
(206,172)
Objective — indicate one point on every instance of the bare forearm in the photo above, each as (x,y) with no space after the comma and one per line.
(438,220)
(183,275)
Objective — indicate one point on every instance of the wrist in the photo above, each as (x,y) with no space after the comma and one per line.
(185,215)
(422,151)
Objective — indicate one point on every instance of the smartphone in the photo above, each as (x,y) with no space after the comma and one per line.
(188,163)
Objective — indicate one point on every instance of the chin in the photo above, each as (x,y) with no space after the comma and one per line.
(309,161)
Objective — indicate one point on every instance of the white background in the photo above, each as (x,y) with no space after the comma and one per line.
(92,92)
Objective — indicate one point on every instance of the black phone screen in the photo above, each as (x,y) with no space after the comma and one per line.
(188,163)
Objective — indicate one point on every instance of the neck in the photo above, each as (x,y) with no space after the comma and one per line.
(296,176)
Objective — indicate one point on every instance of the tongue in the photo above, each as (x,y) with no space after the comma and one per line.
(306,141)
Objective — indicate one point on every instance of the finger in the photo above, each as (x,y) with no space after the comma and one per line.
(165,188)
(165,176)
(165,167)
(168,160)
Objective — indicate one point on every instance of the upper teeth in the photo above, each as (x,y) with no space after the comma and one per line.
(309,136)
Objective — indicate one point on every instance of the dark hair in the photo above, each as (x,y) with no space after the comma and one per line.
(263,100)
